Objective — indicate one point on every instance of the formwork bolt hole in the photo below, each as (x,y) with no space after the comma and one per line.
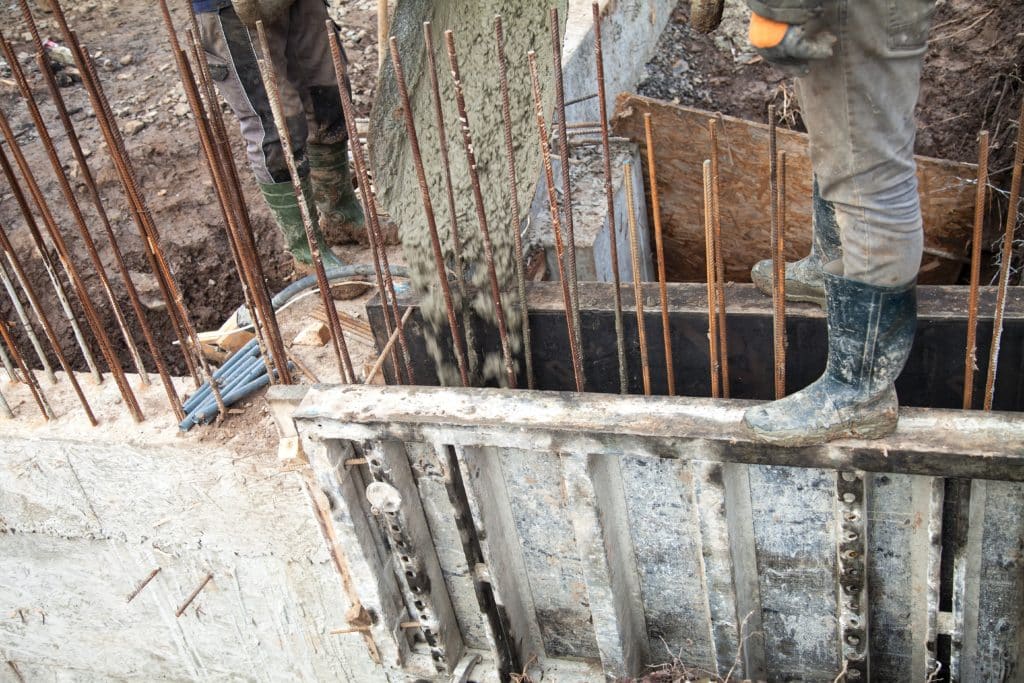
(405,558)
(849,497)
(375,462)
(852,516)
(425,617)
(419,604)
(395,527)
(410,573)
(400,543)
(852,639)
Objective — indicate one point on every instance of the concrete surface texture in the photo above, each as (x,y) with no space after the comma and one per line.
(87,514)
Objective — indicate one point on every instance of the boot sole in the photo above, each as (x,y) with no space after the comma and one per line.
(796,291)
(874,428)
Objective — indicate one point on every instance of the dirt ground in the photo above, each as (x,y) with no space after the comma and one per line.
(972,80)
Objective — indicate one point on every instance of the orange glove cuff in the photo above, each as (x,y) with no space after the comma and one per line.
(766,33)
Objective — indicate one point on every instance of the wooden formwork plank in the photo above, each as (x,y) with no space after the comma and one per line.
(682,144)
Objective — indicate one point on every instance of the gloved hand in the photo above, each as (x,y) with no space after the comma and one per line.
(790,46)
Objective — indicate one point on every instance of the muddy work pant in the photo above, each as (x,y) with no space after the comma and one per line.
(301,55)
(858,106)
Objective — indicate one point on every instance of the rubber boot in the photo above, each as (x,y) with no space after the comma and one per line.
(870,332)
(285,207)
(803,278)
(332,188)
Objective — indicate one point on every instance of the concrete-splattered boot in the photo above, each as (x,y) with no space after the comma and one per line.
(803,278)
(332,188)
(870,332)
(285,207)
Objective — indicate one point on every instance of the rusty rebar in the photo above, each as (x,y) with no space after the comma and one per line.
(29,377)
(980,198)
(779,256)
(379,363)
(620,344)
(26,324)
(385,282)
(660,255)
(1004,266)
(64,254)
(481,211)
(44,322)
(778,264)
(709,240)
(716,217)
(563,150)
(266,66)
(516,219)
(51,270)
(428,210)
(638,285)
(192,596)
(143,584)
(556,227)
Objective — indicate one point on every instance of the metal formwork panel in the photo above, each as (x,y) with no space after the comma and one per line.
(601,535)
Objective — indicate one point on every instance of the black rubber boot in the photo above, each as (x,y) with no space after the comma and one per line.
(870,332)
(803,278)
(335,197)
(285,207)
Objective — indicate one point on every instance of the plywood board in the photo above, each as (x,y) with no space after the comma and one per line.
(682,145)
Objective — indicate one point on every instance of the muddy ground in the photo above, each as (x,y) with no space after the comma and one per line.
(972,80)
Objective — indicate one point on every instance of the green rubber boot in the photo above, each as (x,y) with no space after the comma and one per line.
(870,333)
(804,281)
(335,197)
(285,207)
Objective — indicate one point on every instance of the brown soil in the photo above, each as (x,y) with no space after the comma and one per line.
(166,154)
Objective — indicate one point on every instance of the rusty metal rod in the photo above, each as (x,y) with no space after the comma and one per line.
(779,319)
(382,266)
(660,252)
(266,66)
(192,596)
(638,285)
(620,344)
(556,227)
(44,322)
(563,150)
(472,348)
(143,584)
(481,211)
(1004,266)
(29,376)
(51,270)
(716,217)
(778,264)
(26,324)
(57,97)
(428,210)
(379,363)
(709,240)
(980,199)
(64,254)
(513,185)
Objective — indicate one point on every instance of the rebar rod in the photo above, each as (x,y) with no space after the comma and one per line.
(64,254)
(5,408)
(269,76)
(716,217)
(379,363)
(428,210)
(779,319)
(382,267)
(516,219)
(981,196)
(43,320)
(660,255)
(29,377)
(778,264)
(638,285)
(26,324)
(481,211)
(51,270)
(563,150)
(446,171)
(709,239)
(620,344)
(556,227)
(1004,266)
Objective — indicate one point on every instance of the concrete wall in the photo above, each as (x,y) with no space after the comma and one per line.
(87,513)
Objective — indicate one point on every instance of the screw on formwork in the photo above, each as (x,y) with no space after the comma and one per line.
(428,209)
(970,361)
(660,253)
(638,285)
(620,344)
(556,227)
(192,596)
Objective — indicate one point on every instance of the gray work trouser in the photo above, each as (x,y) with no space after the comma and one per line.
(859,110)
(305,74)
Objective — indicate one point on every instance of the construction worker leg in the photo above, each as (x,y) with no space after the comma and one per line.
(859,110)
